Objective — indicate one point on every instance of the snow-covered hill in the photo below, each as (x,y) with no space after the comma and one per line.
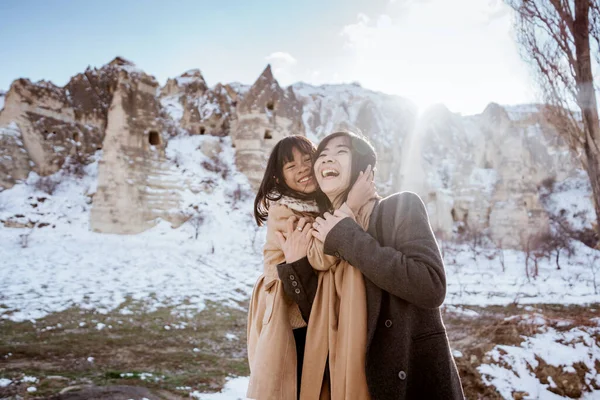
(52,261)
(60,263)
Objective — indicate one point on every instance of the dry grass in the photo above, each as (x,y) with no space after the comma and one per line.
(475,336)
(134,344)
(140,344)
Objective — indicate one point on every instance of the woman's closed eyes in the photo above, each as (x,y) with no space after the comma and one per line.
(341,151)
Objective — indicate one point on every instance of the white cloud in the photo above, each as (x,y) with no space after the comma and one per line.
(281,57)
(283,65)
(460,53)
(362,34)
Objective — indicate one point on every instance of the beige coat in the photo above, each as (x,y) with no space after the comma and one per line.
(337,330)
(272,315)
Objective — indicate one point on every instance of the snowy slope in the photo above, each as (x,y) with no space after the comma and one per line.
(63,264)
(68,265)
(479,276)
(173,107)
(569,198)
(513,368)
(328,107)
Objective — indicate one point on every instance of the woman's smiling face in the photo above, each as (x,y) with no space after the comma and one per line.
(334,167)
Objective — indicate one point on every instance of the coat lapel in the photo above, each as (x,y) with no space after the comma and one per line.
(373,307)
(374,293)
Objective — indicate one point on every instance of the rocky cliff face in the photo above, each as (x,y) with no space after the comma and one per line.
(483,173)
(476,174)
(196,108)
(265,114)
(133,185)
(115,109)
(386,120)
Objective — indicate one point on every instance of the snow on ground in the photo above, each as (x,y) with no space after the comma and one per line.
(571,198)
(12,129)
(64,264)
(173,107)
(513,367)
(235,389)
(479,279)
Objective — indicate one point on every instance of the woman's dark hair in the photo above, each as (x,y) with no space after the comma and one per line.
(273,185)
(363,155)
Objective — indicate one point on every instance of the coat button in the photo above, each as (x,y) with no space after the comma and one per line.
(297,291)
(292,277)
(294,283)
(388,323)
(402,375)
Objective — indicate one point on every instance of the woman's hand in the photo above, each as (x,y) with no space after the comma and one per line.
(296,240)
(322,226)
(362,191)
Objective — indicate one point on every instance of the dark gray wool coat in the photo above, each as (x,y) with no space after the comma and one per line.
(408,355)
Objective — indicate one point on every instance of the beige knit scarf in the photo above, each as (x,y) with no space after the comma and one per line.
(337,328)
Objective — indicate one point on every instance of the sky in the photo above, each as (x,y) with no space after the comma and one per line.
(460,53)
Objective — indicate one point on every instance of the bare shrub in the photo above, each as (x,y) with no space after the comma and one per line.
(46,184)
(176,159)
(75,165)
(238,194)
(530,244)
(474,238)
(24,239)
(594,263)
(500,252)
(196,220)
(217,166)
(561,229)
(555,242)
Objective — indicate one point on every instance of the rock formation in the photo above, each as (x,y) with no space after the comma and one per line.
(51,124)
(476,174)
(113,108)
(482,173)
(265,114)
(134,184)
(198,109)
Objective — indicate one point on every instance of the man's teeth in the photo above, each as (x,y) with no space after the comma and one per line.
(305,179)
